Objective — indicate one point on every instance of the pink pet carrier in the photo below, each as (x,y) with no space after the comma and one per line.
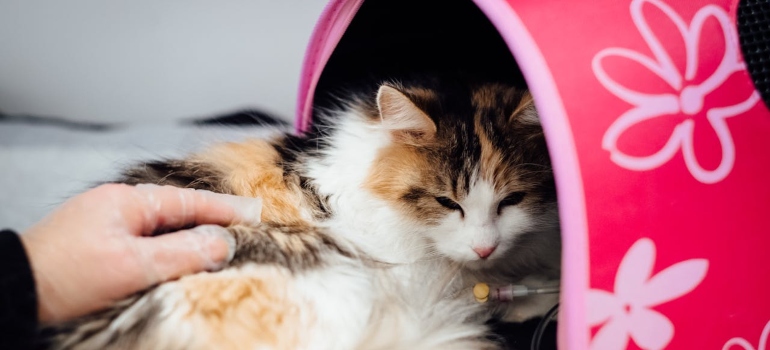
(659,136)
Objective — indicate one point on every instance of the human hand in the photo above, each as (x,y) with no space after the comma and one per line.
(96,248)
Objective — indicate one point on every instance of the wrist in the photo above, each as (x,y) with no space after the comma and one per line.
(43,288)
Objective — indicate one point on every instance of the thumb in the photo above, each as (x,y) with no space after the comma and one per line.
(173,255)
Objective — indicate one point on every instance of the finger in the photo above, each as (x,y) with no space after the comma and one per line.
(173,207)
(170,256)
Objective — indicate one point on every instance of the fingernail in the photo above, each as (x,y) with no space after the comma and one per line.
(215,232)
(248,208)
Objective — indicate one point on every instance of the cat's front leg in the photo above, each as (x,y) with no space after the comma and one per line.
(296,247)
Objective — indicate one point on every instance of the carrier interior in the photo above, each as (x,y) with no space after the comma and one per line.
(391,38)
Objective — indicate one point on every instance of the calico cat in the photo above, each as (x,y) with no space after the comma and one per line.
(375,226)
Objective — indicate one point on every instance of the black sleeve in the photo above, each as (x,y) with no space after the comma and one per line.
(18,299)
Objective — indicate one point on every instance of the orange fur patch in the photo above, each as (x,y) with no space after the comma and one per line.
(245,310)
(252,169)
(398,170)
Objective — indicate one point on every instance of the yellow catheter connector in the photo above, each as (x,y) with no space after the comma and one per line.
(481,292)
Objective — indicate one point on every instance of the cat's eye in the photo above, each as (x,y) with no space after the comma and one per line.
(512,199)
(449,204)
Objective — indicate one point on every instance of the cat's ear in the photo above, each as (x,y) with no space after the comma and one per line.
(525,111)
(406,122)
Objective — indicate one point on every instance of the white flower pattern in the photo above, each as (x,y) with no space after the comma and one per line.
(627,313)
(738,341)
(688,98)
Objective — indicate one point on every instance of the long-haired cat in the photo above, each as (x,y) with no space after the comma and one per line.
(375,226)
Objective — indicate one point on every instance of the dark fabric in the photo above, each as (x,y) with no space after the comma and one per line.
(518,336)
(754,30)
(18,300)
(245,117)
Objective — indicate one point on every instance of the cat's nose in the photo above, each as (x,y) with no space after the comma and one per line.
(484,252)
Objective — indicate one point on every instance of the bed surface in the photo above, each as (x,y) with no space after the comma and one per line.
(45,161)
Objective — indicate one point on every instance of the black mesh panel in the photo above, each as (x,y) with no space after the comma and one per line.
(754,31)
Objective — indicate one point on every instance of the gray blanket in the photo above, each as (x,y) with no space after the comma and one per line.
(45,163)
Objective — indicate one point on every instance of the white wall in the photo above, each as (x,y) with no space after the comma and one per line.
(151,60)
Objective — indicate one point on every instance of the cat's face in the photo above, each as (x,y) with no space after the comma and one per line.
(468,168)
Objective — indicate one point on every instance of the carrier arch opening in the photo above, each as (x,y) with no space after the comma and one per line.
(360,41)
